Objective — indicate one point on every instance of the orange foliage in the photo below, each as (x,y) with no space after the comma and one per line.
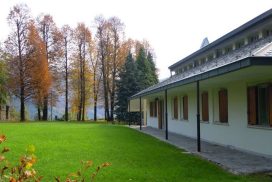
(40,75)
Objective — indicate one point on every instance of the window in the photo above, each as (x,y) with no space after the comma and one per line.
(175,108)
(259,105)
(205,106)
(223,106)
(185,107)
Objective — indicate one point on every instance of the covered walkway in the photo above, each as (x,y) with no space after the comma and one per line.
(235,161)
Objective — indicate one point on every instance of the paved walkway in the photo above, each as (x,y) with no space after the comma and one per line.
(233,160)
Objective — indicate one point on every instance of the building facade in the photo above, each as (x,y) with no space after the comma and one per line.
(227,83)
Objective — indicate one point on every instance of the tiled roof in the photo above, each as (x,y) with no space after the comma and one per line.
(260,48)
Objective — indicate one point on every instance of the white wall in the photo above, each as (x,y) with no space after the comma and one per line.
(236,133)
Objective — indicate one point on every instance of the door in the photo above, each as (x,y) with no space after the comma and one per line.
(160,114)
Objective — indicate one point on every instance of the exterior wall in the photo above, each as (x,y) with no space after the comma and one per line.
(236,133)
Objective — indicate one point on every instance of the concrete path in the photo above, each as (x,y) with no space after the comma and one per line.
(233,160)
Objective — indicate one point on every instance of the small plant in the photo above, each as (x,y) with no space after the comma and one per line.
(81,174)
(24,171)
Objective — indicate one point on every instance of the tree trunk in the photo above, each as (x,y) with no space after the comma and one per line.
(95,110)
(45,108)
(22,88)
(106,100)
(95,96)
(39,112)
(7,112)
(83,80)
(66,82)
(81,85)
(22,99)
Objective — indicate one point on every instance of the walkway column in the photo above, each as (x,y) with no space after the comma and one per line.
(166,115)
(198,117)
(140,113)
(129,117)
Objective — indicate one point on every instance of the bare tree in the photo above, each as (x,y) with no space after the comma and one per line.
(102,38)
(16,46)
(66,39)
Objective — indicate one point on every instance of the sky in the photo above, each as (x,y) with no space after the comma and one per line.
(174,28)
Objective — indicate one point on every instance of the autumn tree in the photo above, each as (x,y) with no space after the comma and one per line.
(39,75)
(96,76)
(50,35)
(82,40)
(16,47)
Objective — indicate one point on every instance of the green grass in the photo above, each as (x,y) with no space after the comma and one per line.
(134,156)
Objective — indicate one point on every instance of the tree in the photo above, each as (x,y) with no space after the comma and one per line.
(3,83)
(39,74)
(127,86)
(50,35)
(144,70)
(16,47)
(117,29)
(66,39)
(102,36)
(82,38)
(154,75)
(96,76)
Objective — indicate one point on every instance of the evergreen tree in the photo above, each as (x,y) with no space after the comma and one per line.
(126,87)
(153,68)
(144,76)
(147,75)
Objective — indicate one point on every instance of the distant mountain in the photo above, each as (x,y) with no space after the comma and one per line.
(58,110)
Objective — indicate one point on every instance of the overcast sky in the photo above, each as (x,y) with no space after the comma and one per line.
(174,28)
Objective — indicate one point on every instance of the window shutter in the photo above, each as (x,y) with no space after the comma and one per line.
(185,107)
(252,105)
(176,108)
(151,109)
(155,108)
(205,106)
(223,106)
(270,104)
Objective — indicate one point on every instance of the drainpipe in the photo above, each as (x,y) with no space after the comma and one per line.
(166,115)
(140,113)
(198,118)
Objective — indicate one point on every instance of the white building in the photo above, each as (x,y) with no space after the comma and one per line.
(234,74)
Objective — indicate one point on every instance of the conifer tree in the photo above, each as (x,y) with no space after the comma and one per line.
(147,75)
(154,76)
(127,86)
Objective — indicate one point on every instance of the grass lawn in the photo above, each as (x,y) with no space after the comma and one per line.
(134,156)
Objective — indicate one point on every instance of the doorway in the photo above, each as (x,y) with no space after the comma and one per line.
(160,114)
